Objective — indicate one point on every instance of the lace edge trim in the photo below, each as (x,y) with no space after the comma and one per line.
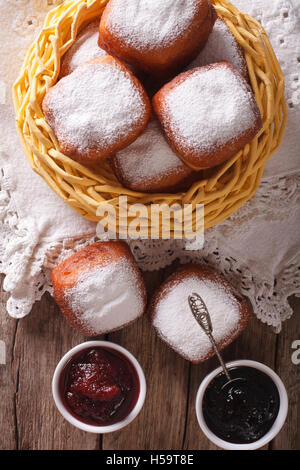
(32,262)
(269,300)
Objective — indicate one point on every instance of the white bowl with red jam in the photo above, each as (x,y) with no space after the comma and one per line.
(246,414)
(99,387)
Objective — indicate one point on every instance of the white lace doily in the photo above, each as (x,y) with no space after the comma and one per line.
(257,248)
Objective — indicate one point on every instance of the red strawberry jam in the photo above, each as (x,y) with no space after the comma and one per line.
(99,386)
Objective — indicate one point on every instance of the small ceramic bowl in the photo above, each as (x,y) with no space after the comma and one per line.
(279,422)
(90,427)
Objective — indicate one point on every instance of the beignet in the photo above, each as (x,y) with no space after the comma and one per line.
(221,46)
(84,49)
(208,114)
(99,288)
(97,110)
(156,36)
(150,165)
(170,314)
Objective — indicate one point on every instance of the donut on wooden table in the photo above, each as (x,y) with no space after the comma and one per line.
(208,114)
(150,165)
(97,110)
(100,288)
(170,314)
(156,36)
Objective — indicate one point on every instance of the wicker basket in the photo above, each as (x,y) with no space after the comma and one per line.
(222,193)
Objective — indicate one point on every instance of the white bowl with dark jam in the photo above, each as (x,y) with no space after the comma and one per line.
(246,414)
(99,387)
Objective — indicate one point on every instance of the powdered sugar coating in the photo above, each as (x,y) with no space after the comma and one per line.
(209,108)
(106,298)
(151,24)
(177,326)
(150,159)
(84,49)
(221,46)
(95,107)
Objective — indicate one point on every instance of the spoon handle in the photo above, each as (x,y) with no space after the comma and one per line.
(212,340)
(202,316)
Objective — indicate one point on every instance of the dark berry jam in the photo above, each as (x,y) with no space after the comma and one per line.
(99,386)
(243,411)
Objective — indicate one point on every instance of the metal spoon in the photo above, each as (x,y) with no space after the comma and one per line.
(201,314)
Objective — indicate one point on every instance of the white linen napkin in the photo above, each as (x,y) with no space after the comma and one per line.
(258,246)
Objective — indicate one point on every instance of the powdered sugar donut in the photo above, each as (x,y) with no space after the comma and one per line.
(208,114)
(84,49)
(221,46)
(170,314)
(157,36)
(100,288)
(97,110)
(150,165)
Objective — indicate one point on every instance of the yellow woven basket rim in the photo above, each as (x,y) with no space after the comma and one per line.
(230,185)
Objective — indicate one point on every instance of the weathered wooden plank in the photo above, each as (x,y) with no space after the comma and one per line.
(35,344)
(289,437)
(41,340)
(161,423)
(8,378)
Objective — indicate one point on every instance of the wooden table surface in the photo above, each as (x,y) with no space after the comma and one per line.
(35,344)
